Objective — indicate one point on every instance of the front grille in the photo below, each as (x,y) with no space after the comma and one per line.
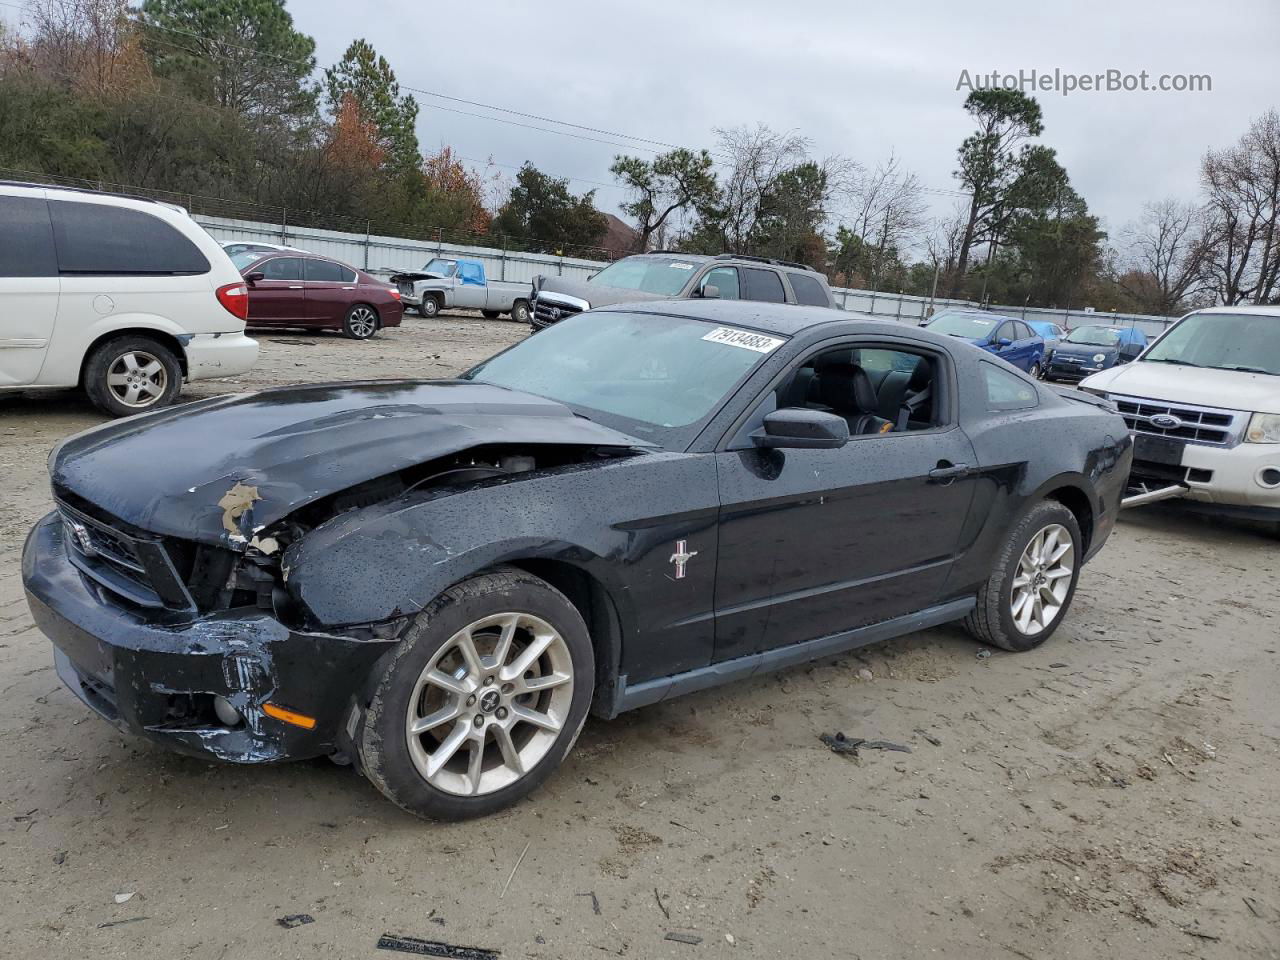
(1193,424)
(134,567)
(546,312)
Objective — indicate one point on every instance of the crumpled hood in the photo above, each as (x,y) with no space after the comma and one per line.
(220,470)
(1201,386)
(596,294)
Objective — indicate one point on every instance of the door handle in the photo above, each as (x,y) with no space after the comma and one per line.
(948,471)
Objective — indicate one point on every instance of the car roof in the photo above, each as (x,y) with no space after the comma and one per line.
(1264,310)
(296,255)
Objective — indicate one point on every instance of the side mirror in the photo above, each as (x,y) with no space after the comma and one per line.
(798,428)
(1004,342)
(255,276)
(710,292)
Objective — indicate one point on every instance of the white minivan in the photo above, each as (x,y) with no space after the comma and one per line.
(1203,405)
(122,296)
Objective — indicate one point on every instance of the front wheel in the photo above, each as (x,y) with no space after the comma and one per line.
(482,700)
(132,374)
(430,307)
(361,322)
(520,312)
(1033,582)
(1037,372)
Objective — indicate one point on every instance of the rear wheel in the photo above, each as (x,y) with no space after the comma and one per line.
(482,700)
(132,374)
(520,312)
(361,322)
(430,306)
(1033,582)
(490,314)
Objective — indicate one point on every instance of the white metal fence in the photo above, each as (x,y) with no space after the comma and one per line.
(387,254)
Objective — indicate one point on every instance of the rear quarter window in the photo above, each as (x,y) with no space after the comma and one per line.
(26,238)
(808,290)
(1005,390)
(96,238)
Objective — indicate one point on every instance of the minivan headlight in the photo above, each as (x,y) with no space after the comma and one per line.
(1263,428)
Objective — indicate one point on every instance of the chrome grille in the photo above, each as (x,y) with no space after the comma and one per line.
(1181,421)
(547,311)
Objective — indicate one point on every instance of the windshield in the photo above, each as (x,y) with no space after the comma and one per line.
(441,268)
(1223,341)
(661,276)
(964,325)
(652,376)
(1095,336)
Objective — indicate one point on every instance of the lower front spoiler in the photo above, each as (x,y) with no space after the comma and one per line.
(160,680)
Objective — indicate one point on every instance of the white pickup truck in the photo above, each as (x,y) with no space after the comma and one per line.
(451,282)
(1203,405)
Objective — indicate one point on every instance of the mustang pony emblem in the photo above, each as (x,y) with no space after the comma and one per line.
(682,556)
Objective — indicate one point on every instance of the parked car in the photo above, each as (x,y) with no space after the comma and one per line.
(236,248)
(1203,404)
(1052,334)
(123,297)
(438,580)
(1009,339)
(672,276)
(454,282)
(1091,348)
(303,290)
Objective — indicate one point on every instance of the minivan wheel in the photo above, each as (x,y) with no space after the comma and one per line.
(1033,580)
(361,322)
(132,374)
(482,700)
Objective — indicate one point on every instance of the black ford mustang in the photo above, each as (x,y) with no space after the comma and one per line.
(438,580)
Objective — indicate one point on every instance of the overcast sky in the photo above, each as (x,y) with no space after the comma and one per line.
(859,79)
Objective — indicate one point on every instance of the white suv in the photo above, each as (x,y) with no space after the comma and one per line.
(124,297)
(1203,404)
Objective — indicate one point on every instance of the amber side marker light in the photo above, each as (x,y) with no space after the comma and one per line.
(288,716)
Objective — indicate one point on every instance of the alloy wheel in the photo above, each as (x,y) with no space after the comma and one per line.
(363,322)
(1043,580)
(490,704)
(137,379)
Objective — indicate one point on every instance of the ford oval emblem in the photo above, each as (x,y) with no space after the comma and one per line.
(1166,421)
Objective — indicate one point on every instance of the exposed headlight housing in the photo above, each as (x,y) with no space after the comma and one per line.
(1263,428)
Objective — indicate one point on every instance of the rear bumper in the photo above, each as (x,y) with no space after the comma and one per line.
(158,680)
(219,355)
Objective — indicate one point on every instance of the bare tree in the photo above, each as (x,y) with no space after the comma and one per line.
(1164,256)
(1243,187)
(888,208)
(91,44)
(757,158)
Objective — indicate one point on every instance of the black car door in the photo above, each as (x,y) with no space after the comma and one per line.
(815,542)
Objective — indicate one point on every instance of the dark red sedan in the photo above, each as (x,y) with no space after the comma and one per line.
(294,289)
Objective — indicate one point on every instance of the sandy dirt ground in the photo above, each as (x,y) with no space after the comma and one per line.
(1111,795)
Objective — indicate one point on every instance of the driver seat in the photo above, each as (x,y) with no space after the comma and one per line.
(847,390)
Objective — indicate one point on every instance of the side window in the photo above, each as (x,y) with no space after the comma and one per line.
(1005,332)
(1024,331)
(877,390)
(471,273)
(1007,391)
(26,238)
(95,238)
(328,271)
(282,268)
(808,290)
(724,279)
(763,285)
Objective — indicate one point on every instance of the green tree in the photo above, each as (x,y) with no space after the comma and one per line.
(543,216)
(242,55)
(671,182)
(989,164)
(792,214)
(370,81)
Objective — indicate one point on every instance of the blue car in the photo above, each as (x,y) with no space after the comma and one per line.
(1088,349)
(1007,337)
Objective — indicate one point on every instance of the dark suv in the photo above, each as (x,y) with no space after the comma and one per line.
(672,276)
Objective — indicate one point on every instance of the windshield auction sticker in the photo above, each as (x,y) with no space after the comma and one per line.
(758,342)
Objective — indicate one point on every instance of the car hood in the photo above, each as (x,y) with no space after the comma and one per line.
(1202,386)
(221,470)
(596,294)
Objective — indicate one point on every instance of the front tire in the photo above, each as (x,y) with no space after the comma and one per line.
(1037,373)
(482,700)
(520,311)
(132,374)
(361,322)
(1033,581)
(430,306)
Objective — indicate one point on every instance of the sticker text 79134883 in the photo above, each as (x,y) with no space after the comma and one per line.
(747,340)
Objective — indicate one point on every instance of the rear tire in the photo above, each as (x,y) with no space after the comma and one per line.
(458,674)
(430,306)
(520,311)
(490,314)
(132,374)
(1023,603)
(361,322)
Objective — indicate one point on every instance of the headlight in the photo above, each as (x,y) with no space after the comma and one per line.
(1263,428)
(1095,391)
(1099,357)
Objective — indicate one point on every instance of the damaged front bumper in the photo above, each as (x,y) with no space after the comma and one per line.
(162,680)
